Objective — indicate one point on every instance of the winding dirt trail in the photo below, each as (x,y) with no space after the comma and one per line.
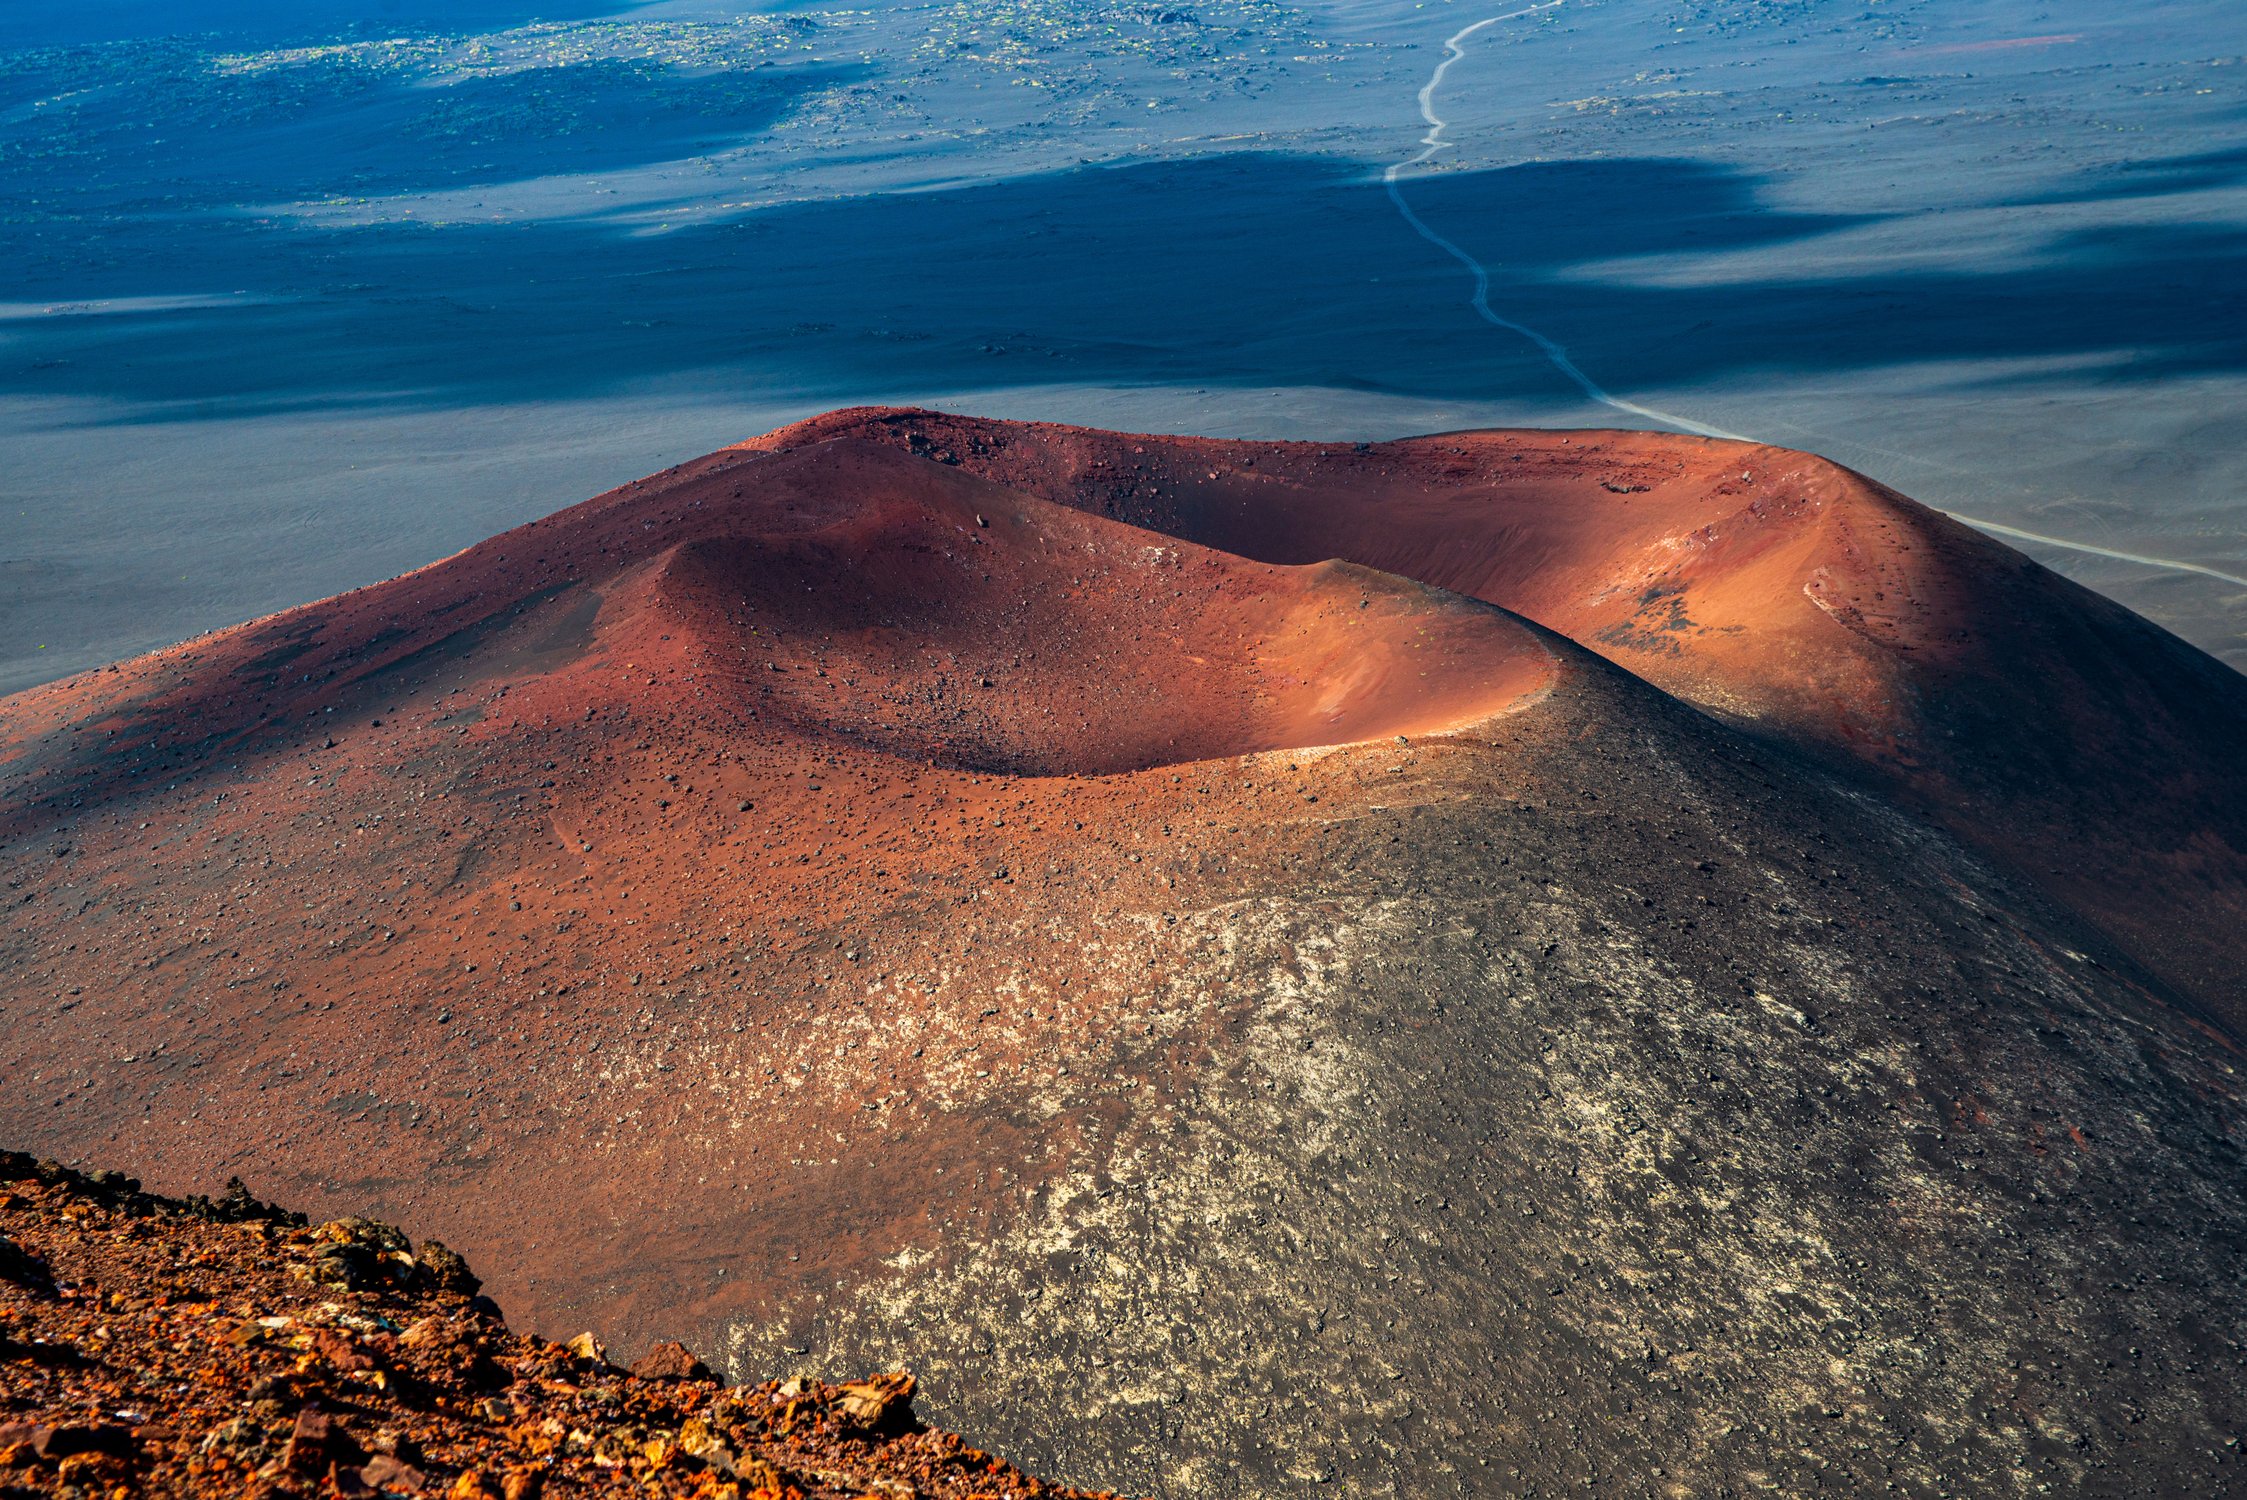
(1453,51)
(2171,563)
(1556,353)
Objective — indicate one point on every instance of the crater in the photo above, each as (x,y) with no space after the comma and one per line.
(937,617)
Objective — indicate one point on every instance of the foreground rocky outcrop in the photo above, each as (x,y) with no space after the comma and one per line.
(157,1346)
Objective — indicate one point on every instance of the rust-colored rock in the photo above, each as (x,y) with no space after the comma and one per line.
(881,1404)
(189,1419)
(473,1484)
(312,1442)
(670,1360)
(445,1269)
(384,1472)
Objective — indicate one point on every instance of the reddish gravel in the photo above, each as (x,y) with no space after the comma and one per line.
(153,1346)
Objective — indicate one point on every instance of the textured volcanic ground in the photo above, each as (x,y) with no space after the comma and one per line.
(150,1345)
(2094,753)
(1234,1025)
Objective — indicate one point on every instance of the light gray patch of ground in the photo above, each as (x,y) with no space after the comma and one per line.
(1497,1175)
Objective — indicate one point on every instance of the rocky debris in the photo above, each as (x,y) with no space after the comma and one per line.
(446,1270)
(358,1254)
(23,1268)
(237,1206)
(670,1360)
(882,1404)
(224,1347)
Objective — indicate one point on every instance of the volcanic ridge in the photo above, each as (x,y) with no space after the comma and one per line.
(1485,964)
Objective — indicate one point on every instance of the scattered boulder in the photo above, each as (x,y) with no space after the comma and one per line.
(357,1255)
(311,1442)
(443,1269)
(393,1475)
(670,1360)
(881,1405)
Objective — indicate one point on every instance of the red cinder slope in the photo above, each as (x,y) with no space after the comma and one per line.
(2095,753)
(1235,1028)
(843,593)
(470,836)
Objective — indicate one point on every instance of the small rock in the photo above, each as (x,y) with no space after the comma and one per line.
(444,1269)
(357,1254)
(349,1484)
(307,1450)
(427,1333)
(279,1389)
(698,1439)
(761,1477)
(393,1475)
(371,1233)
(589,1349)
(882,1404)
(339,1351)
(473,1484)
(670,1360)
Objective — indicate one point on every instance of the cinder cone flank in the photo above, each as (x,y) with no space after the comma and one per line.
(2094,754)
(1110,924)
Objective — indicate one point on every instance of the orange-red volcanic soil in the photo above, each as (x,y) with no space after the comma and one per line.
(867,598)
(2092,751)
(1004,900)
(459,836)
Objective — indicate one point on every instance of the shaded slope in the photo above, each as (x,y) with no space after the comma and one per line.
(655,903)
(2093,752)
